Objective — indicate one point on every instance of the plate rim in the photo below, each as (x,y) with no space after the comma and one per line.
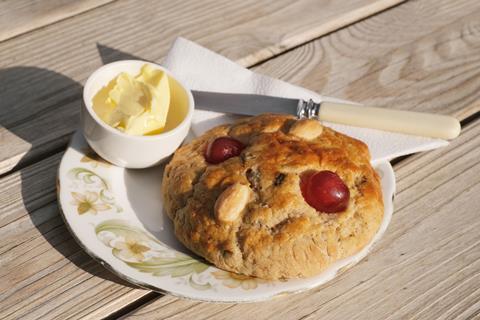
(147,286)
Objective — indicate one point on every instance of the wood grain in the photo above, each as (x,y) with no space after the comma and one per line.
(427,265)
(41,72)
(53,276)
(20,16)
(429,51)
(39,260)
(49,276)
(423,55)
(17,148)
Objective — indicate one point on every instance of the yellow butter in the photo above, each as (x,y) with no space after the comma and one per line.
(135,105)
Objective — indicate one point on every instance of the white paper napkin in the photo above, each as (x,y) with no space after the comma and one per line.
(201,69)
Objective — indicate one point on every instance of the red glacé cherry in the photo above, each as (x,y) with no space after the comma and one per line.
(222,149)
(325,191)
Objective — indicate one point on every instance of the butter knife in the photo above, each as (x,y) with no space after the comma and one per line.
(408,122)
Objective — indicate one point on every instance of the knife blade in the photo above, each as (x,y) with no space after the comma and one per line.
(244,104)
(408,122)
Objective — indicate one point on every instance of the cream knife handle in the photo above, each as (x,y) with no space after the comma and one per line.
(409,122)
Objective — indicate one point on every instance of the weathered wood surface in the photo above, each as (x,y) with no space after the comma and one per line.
(422,55)
(40,104)
(41,72)
(47,275)
(20,16)
(421,63)
(42,270)
(427,265)
(15,149)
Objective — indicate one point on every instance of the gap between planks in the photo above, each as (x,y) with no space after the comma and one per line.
(179,309)
(71,44)
(150,299)
(18,17)
(472,115)
(312,81)
(250,61)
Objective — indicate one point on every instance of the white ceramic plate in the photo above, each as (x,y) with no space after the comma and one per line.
(116,215)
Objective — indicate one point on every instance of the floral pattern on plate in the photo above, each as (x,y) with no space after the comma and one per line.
(96,197)
(143,252)
(234,280)
(88,202)
(116,216)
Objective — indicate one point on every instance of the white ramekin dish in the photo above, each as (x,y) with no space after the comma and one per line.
(130,151)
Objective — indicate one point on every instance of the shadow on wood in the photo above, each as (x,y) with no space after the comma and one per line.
(33,88)
(109,55)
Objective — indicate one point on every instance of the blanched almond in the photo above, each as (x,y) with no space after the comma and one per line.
(231,202)
(307,129)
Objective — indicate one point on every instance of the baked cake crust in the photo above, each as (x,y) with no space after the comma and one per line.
(247,214)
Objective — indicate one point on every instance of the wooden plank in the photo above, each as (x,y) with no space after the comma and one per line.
(39,260)
(419,56)
(17,148)
(41,72)
(28,190)
(427,266)
(35,289)
(30,218)
(20,16)
(395,72)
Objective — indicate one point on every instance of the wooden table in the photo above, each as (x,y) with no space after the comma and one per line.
(419,55)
